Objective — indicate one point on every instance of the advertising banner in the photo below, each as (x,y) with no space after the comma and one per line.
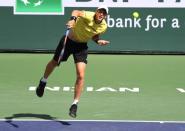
(133,26)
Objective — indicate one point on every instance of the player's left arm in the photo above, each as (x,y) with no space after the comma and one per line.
(99,41)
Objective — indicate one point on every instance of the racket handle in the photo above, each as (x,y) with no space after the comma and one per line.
(67,31)
(64,44)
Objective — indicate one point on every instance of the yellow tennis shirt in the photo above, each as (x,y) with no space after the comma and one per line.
(85,27)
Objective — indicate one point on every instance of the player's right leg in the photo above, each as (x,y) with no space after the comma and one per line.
(42,84)
(50,67)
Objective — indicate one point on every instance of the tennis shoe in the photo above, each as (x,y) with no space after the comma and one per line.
(40,89)
(73,110)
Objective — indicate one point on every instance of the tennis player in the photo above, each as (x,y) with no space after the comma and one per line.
(83,25)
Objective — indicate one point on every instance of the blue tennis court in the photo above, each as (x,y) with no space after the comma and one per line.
(92,125)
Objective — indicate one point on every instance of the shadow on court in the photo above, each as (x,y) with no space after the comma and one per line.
(49,123)
(9,119)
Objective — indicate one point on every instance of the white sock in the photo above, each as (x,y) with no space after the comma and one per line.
(75,102)
(44,80)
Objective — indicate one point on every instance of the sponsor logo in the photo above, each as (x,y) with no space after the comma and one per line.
(57,6)
(98,89)
(90,89)
(127,3)
(38,7)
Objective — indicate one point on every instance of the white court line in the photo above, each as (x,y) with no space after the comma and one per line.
(69,120)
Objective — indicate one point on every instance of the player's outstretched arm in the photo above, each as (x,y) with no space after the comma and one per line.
(97,39)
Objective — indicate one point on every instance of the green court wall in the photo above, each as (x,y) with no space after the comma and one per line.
(43,32)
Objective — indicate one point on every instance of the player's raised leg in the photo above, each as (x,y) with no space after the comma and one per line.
(49,69)
(51,66)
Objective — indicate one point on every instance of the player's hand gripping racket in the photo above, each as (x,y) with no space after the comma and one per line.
(64,45)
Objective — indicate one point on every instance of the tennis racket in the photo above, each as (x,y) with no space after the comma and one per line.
(64,45)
